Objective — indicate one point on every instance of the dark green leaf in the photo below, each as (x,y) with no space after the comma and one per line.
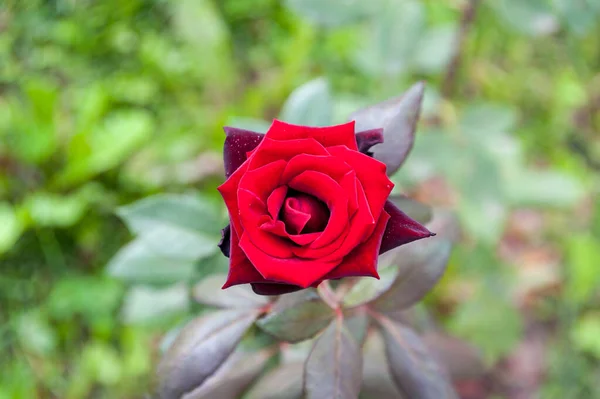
(233,377)
(333,369)
(136,262)
(209,292)
(413,369)
(297,316)
(175,226)
(377,381)
(398,117)
(283,382)
(147,304)
(199,350)
(420,265)
(310,104)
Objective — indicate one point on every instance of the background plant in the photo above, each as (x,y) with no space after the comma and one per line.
(102,103)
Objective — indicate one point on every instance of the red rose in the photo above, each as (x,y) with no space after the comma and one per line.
(307,204)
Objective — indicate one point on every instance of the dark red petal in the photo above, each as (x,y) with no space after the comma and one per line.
(237,144)
(278,228)
(328,136)
(253,217)
(304,213)
(362,261)
(272,150)
(401,229)
(241,270)
(264,180)
(332,194)
(275,201)
(229,191)
(367,139)
(371,173)
(274,288)
(225,243)
(334,167)
(288,271)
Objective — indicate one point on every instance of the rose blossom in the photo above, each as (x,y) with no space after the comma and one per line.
(307,204)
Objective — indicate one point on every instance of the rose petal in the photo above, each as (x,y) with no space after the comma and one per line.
(289,271)
(278,228)
(401,229)
(274,288)
(362,261)
(272,150)
(225,243)
(263,181)
(371,174)
(333,167)
(229,191)
(241,270)
(253,218)
(275,201)
(328,136)
(367,139)
(332,194)
(237,144)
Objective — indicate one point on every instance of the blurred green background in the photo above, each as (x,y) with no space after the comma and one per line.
(103,102)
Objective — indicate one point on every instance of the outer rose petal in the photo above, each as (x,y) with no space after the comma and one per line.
(371,173)
(367,139)
(401,229)
(362,261)
(237,144)
(241,270)
(274,288)
(273,150)
(328,136)
(289,271)
(229,191)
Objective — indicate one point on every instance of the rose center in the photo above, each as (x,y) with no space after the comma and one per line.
(302,213)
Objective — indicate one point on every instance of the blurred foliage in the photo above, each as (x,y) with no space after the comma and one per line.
(106,102)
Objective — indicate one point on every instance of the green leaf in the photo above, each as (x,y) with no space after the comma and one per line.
(297,316)
(331,13)
(413,369)
(545,188)
(283,382)
(310,104)
(333,369)
(420,266)
(137,263)
(201,348)
(233,377)
(391,38)
(398,117)
(106,146)
(358,326)
(175,226)
(583,258)
(209,292)
(53,210)
(532,17)
(147,304)
(10,228)
(35,333)
(436,48)
(90,297)
(586,334)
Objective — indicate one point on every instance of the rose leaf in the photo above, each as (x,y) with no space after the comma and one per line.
(413,368)
(398,117)
(296,317)
(283,382)
(333,369)
(199,350)
(209,292)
